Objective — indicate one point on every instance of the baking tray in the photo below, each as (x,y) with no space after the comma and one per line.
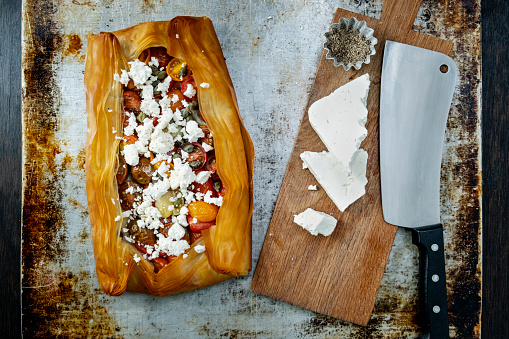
(272,49)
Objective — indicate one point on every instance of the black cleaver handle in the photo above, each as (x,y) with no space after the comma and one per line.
(432,286)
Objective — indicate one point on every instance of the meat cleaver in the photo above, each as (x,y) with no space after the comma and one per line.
(416,92)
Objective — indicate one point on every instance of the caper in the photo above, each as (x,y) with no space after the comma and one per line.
(161,75)
(155,83)
(157,92)
(184,113)
(193,105)
(217,185)
(179,203)
(141,117)
(176,156)
(195,164)
(176,211)
(154,69)
(183,71)
(188,148)
(189,118)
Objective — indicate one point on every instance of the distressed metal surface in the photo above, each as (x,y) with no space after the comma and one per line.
(61,295)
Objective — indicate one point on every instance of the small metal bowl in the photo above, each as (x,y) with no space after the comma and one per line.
(356,26)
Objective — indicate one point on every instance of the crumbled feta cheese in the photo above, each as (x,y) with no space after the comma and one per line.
(139,72)
(131,155)
(117,218)
(113,130)
(184,256)
(316,222)
(176,36)
(206,147)
(203,176)
(163,87)
(216,201)
(153,62)
(312,188)
(136,257)
(194,132)
(199,248)
(204,85)
(123,78)
(113,201)
(190,91)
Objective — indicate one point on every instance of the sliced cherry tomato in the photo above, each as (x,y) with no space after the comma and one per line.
(122,169)
(128,140)
(176,69)
(202,211)
(210,165)
(142,172)
(161,55)
(204,188)
(199,226)
(222,192)
(177,102)
(140,248)
(189,80)
(197,155)
(159,263)
(132,101)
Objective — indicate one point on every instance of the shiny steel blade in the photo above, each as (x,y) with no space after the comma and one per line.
(414,103)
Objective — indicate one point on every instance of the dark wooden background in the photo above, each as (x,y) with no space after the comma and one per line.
(495,165)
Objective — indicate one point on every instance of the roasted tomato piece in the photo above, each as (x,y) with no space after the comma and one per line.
(186,82)
(142,172)
(193,236)
(199,226)
(122,169)
(159,263)
(211,164)
(127,199)
(222,191)
(176,102)
(161,55)
(125,119)
(132,101)
(176,69)
(208,136)
(204,188)
(142,235)
(197,155)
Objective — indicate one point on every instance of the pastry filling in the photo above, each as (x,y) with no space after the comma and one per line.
(168,185)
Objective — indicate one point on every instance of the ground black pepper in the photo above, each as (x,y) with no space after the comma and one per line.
(347,45)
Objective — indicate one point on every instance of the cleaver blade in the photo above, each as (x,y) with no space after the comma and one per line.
(416,92)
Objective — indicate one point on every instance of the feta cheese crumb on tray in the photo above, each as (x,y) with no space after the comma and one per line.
(316,222)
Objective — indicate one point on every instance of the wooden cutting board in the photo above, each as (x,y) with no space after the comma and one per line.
(337,275)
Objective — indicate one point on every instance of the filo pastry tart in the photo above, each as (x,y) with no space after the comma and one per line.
(163,248)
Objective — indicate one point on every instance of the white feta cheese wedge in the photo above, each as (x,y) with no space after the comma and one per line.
(343,184)
(339,119)
(316,222)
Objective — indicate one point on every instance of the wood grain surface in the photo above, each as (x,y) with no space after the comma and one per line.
(337,275)
(495,124)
